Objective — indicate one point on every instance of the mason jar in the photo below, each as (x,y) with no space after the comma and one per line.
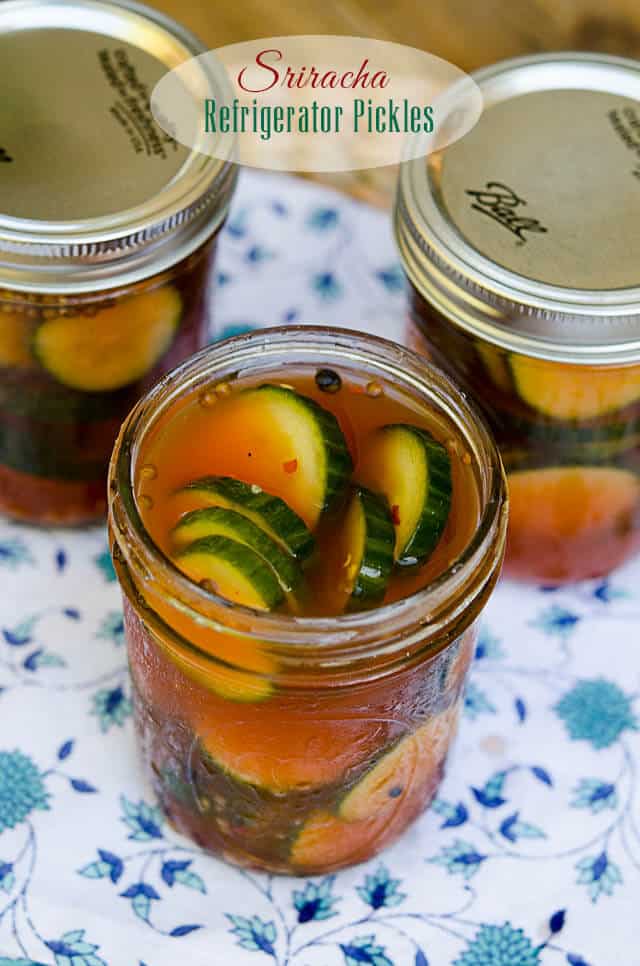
(281,741)
(521,245)
(108,232)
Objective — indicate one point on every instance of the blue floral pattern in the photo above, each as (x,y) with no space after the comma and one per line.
(21,789)
(530,854)
(500,946)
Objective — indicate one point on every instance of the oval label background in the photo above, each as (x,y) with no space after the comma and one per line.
(316,103)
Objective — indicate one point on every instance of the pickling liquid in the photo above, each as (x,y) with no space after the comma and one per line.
(217,432)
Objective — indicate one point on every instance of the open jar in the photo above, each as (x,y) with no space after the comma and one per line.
(521,245)
(107,237)
(279,740)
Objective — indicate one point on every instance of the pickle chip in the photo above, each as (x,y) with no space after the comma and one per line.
(327,842)
(565,503)
(569,392)
(413,762)
(113,348)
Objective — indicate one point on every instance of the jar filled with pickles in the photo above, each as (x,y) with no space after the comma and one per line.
(523,253)
(108,231)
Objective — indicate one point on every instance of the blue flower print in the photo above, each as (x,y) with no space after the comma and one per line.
(177,870)
(392,278)
(605,592)
(363,949)
(597,711)
(72,949)
(514,830)
(460,858)
(380,890)
(237,225)
(142,895)
(488,646)
(254,934)
(105,565)
(13,553)
(476,702)
(111,707)
(7,878)
(21,789)
(323,219)
(144,820)
(326,285)
(499,946)
(556,620)
(595,795)
(600,874)
(315,902)
(258,253)
(453,815)
(112,628)
(490,794)
(22,633)
(108,864)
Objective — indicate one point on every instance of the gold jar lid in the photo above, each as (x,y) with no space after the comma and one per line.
(93,193)
(526,231)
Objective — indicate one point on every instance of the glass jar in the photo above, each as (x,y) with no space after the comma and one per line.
(521,246)
(288,743)
(107,238)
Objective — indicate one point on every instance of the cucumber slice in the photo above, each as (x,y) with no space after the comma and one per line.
(280,752)
(564,391)
(323,462)
(219,521)
(113,348)
(414,762)
(565,503)
(367,540)
(15,332)
(495,362)
(413,471)
(269,512)
(325,842)
(55,451)
(238,572)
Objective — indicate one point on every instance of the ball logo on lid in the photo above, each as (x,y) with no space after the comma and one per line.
(500,202)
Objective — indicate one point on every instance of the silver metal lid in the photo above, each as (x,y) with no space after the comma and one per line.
(526,232)
(93,193)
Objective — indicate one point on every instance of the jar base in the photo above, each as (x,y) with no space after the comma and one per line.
(383,835)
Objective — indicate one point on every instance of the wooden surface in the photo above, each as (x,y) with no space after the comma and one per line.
(470,33)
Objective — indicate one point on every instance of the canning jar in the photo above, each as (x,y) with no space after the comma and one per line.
(279,740)
(521,246)
(107,237)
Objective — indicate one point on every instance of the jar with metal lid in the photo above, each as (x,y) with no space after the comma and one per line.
(521,244)
(107,234)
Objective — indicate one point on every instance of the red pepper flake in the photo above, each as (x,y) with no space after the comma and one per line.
(395,514)
(290,466)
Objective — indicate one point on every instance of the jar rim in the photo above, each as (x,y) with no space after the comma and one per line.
(468,570)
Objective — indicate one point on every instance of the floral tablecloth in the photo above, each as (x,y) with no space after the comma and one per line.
(531,853)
